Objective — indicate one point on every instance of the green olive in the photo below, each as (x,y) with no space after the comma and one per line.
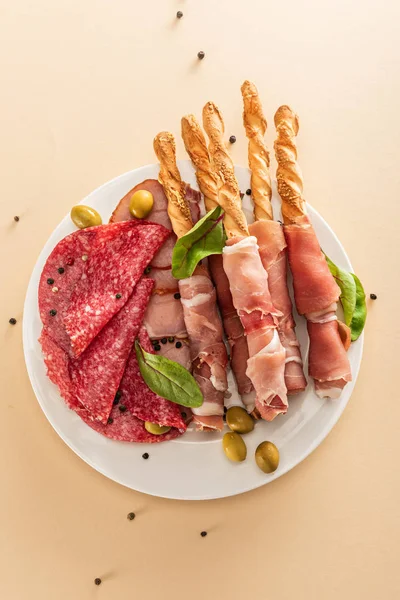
(239,420)
(267,457)
(156,429)
(141,204)
(234,446)
(84,216)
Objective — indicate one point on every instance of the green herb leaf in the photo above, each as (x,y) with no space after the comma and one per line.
(205,238)
(360,311)
(347,287)
(168,379)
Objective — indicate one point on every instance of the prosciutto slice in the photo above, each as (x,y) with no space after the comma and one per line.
(272,248)
(232,325)
(248,283)
(208,351)
(316,295)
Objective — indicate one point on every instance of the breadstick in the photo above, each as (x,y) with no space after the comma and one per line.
(256,125)
(174,188)
(229,193)
(196,147)
(289,175)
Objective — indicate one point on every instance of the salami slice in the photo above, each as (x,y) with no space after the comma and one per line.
(65,275)
(140,400)
(114,266)
(62,270)
(125,427)
(121,426)
(94,377)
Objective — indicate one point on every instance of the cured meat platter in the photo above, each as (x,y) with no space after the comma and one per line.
(193,466)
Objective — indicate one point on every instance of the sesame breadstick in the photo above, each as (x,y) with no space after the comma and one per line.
(256,125)
(229,193)
(289,175)
(170,179)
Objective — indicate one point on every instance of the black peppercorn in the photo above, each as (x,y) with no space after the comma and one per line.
(12,321)
(179,14)
(97,581)
(163,340)
(110,421)
(177,296)
(50,281)
(122,408)
(248,192)
(16,219)
(203,533)
(373,296)
(155,342)
(145,455)
(201,55)
(53,312)
(61,270)
(130,516)
(171,339)
(183,415)
(232,139)
(147,270)
(157,347)
(118,296)
(178,345)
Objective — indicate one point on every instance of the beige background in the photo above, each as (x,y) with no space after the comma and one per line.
(84,88)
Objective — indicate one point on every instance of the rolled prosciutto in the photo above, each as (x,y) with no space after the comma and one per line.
(316,296)
(248,282)
(272,249)
(198,298)
(208,352)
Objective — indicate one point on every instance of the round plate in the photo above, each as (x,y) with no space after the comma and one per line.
(193,467)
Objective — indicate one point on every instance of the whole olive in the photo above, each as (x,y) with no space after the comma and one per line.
(267,457)
(141,204)
(85,216)
(239,420)
(156,429)
(234,446)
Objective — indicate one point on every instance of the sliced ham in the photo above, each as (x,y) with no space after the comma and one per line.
(164,317)
(208,351)
(248,283)
(180,354)
(272,248)
(316,294)
(232,325)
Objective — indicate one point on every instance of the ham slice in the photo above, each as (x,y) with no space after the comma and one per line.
(248,283)
(316,294)
(208,351)
(164,317)
(272,248)
(232,325)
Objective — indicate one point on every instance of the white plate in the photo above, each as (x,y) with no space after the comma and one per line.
(193,467)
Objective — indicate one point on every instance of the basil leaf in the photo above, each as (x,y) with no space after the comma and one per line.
(360,311)
(347,287)
(168,379)
(205,238)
